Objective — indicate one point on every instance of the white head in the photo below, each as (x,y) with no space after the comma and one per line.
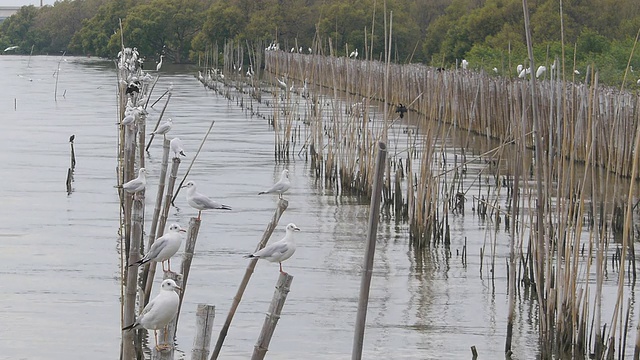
(292,227)
(189,185)
(170,285)
(142,172)
(285,174)
(176,228)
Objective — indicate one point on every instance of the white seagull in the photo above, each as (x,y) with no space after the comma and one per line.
(281,186)
(201,202)
(176,147)
(163,128)
(278,251)
(159,311)
(137,184)
(164,247)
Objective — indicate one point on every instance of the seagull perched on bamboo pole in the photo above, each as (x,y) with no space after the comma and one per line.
(135,185)
(201,202)
(159,312)
(163,128)
(281,186)
(176,147)
(164,247)
(278,251)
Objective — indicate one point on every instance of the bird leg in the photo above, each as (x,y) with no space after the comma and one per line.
(282,271)
(199,211)
(163,270)
(155,333)
(169,264)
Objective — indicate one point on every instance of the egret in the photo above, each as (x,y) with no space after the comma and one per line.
(576,72)
(541,70)
(495,70)
(354,54)
(519,69)
(14,47)
(159,64)
(465,63)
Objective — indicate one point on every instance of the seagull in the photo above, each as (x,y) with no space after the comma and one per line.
(159,64)
(159,311)
(163,128)
(201,202)
(164,247)
(281,186)
(278,251)
(401,109)
(137,184)
(176,146)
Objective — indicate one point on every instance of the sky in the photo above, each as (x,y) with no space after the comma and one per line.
(25,2)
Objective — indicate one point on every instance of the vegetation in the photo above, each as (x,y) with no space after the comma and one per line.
(487,33)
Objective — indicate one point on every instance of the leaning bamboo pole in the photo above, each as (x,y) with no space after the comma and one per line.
(281,207)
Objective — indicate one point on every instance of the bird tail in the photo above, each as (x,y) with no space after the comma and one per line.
(139,262)
(182,153)
(226,207)
(250,256)
(132,326)
(262,192)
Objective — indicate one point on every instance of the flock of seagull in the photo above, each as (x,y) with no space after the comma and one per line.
(164,307)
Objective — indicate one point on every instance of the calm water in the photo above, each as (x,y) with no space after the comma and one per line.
(59,254)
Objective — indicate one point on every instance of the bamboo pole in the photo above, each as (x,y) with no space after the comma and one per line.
(205,314)
(374,218)
(163,221)
(187,256)
(129,351)
(156,214)
(157,123)
(192,161)
(273,315)
(282,206)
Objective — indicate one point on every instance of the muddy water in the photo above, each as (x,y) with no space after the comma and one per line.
(60,263)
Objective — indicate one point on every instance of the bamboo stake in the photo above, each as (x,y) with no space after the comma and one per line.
(273,315)
(205,314)
(192,161)
(187,256)
(374,214)
(161,225)
(282,206)
(156,216)
(129,352)
(158,123)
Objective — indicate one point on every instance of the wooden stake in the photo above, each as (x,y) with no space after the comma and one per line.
(157,123)
(282,206)
(187,256)
(374,218)
(273,315)
(205,315)
(129,352)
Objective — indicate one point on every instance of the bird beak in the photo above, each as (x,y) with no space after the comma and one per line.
(183,186)
(296,229)
(178,288)
(183,230)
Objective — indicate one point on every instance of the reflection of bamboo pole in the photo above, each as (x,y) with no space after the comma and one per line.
(374,214)
(273,315)
(282,206)
(205,315)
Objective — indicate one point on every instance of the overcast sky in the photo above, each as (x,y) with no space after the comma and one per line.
(25,2)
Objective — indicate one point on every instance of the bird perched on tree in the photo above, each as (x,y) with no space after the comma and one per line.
(278,251)
(281,186)
(401,109)
(159,312)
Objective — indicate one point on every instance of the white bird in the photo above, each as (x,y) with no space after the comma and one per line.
(201,202)
(278,251)
(159,64)
(522,74)
(519,69)
(163,128)
(638,82)
(137,184)
(540,71)
(576,72)
(465,63)
(11,48)
(164,247)
(354,54)
(281,186)
(159,311)
(176,147)
(128,119)
(282,84)
(495,70)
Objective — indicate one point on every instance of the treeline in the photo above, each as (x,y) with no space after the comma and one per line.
(487,33)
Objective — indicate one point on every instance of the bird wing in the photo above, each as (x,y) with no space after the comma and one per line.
(274,249)
(147,308)
(156,248)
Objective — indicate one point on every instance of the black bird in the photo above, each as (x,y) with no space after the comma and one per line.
(401,109)
(71,138)
(133,86)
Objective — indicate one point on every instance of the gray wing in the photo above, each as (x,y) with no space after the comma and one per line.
(206,203)
(271,250)
(280,186)
(157,246)
(146,309)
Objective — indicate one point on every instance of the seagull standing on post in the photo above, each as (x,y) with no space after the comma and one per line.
(201,202)
(278,251)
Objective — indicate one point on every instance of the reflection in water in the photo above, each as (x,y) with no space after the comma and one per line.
(59,254)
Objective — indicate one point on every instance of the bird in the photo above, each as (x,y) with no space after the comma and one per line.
(519,68)
(278,251)
(137,184)
(71,138)
(576,72)
(401,109)
(159,64)
(465,63)
(14,47)
(495,70)
(128,119)
(164,247)
(281,186)
(201,202)
(354,54)
(159,311)
(163,128)
(176,147)
(133,87)
(541,70)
